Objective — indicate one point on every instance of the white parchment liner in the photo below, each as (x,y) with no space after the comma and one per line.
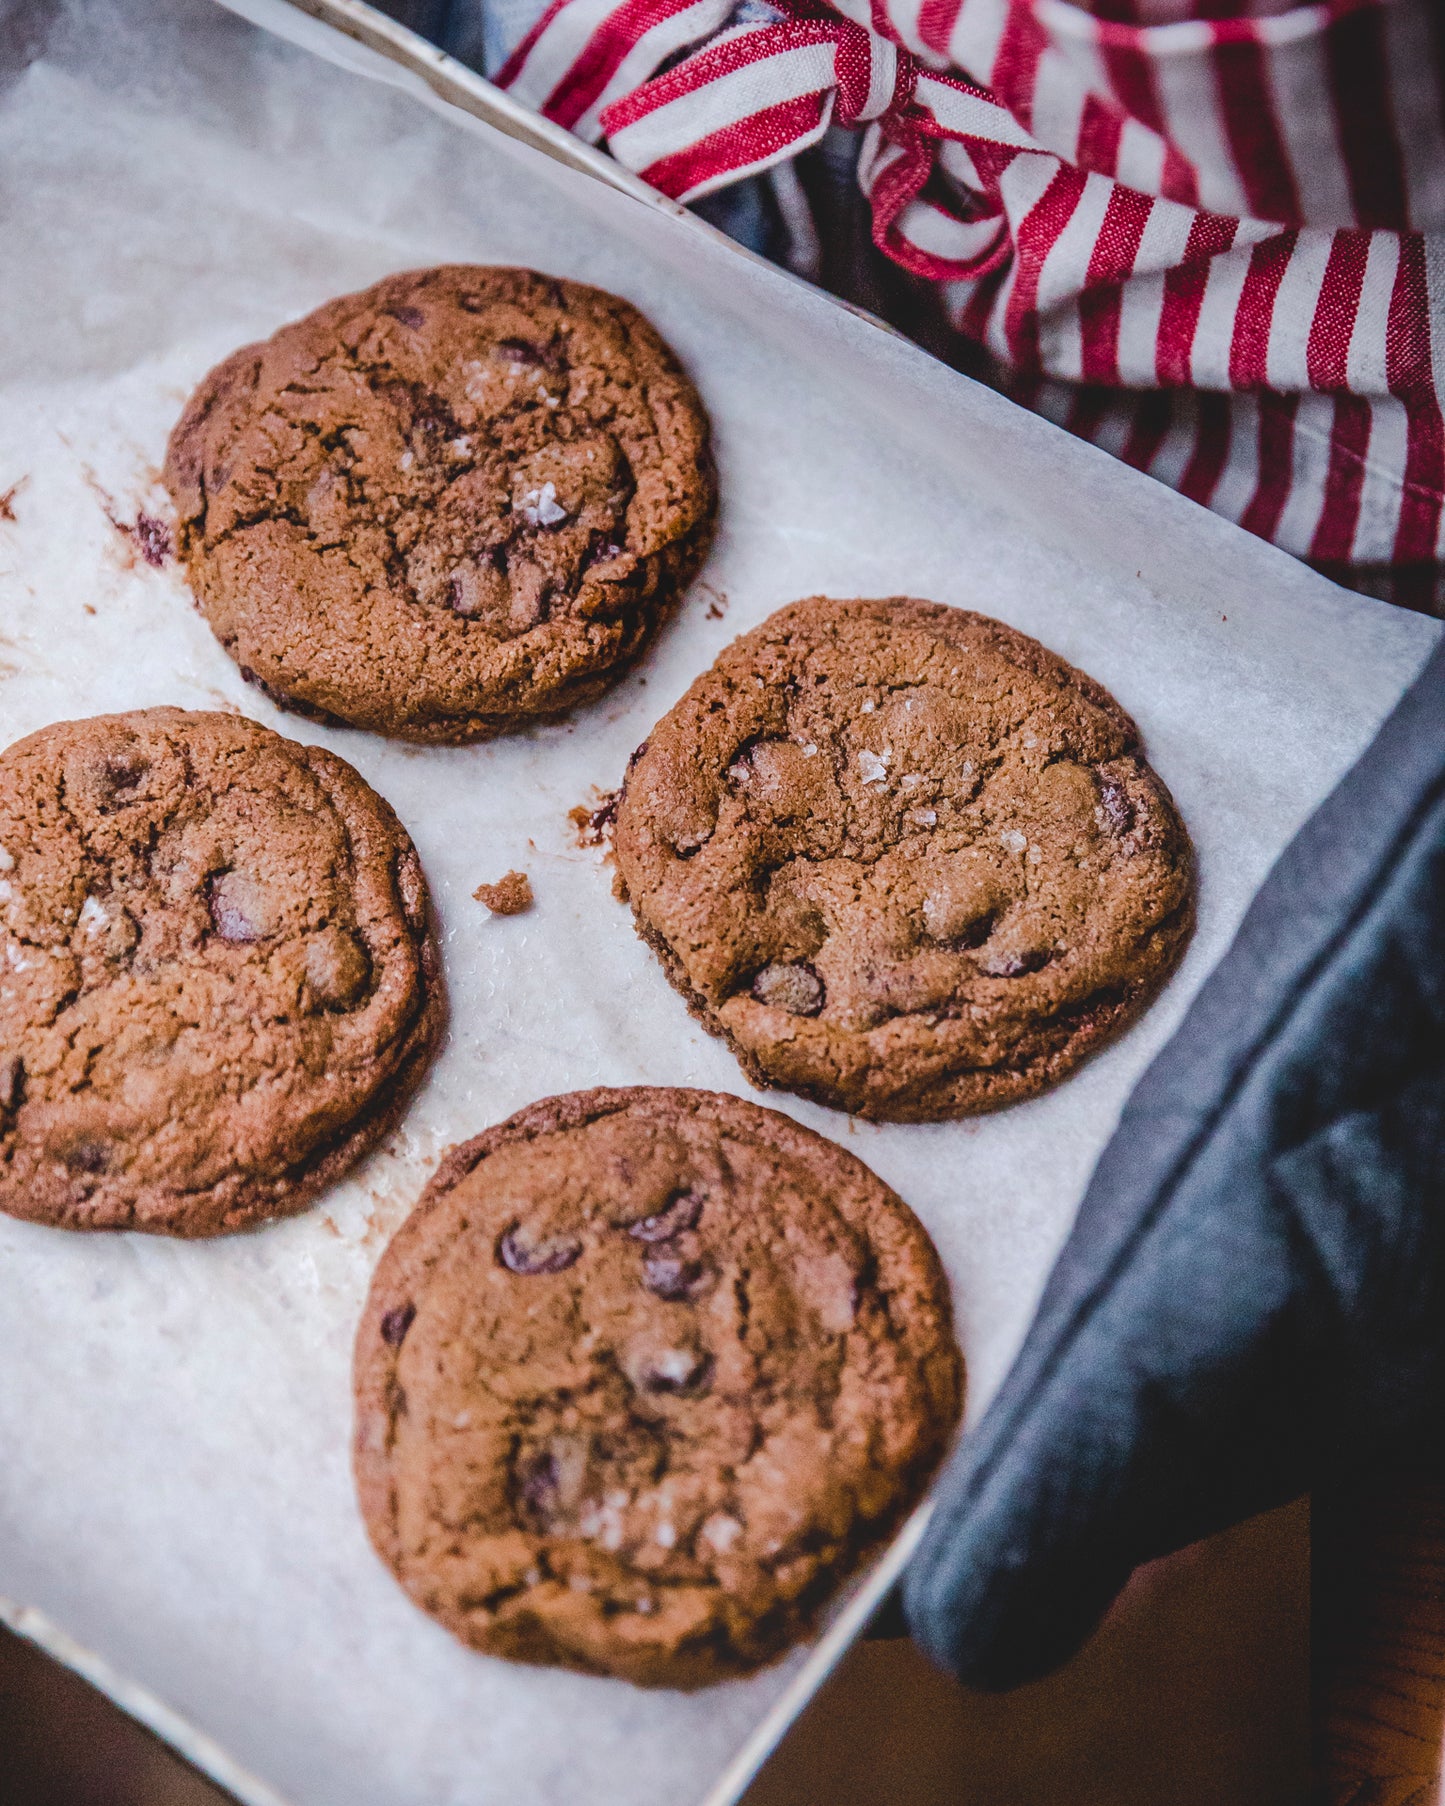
(174,1481)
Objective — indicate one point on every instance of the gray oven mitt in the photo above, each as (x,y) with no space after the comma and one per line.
(1253,1297)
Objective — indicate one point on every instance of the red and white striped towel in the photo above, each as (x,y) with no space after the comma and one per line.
(1214,244)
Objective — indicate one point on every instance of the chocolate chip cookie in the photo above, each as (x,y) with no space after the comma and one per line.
(454,504)
(904,860)
(217,979)
(642,1377)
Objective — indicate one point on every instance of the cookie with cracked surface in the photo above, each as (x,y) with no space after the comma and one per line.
(454,504)
(903,859)
(218,983)
(644,1375)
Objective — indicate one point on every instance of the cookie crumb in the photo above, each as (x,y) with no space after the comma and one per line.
(147,534)
(594,825)
(152,539)
(509,896)
(7,499)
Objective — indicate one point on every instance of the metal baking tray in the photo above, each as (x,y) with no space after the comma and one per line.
(852,463)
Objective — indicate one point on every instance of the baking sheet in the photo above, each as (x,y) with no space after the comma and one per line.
(175,1490)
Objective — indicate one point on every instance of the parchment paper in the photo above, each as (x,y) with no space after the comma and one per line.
(174,1483)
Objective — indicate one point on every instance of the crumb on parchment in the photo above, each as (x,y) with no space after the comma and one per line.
(594,826)
(7,498)
(509,896)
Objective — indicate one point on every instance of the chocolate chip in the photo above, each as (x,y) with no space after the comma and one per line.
(794,987)
(121,773)
(637,756)
(594,826)
(152,539)
(1118,810)
(527,354)
(232,900)
(740,771)
(432,417)
(396,1323)
(87,1157)
(466,596)
(601,549)
(1013,965)
(521,351)
(679,1213)
(541,1486)
(337,968)
(409,316)
(672,1278)
(976,933)
(553,1254)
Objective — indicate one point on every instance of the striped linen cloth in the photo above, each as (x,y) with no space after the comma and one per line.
(1207,235)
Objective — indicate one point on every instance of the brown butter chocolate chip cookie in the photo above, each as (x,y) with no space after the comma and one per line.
(453,504)
(642,1377)
(903,859)
(217,980)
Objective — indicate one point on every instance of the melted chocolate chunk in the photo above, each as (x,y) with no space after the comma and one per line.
(1118,810)
(541,1485)
(522,351)
(792,986)
(227,899)
(88,1157)
(120,774)
(676,1279)
(152,539)
(396,1323)
(679,1213)
(1014,965)
(600,550)
(553,1254)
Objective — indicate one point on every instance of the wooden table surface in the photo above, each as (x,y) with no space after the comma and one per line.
(1379,1644)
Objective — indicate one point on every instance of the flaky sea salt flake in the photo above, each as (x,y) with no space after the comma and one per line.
(540,507)
(721,1531)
